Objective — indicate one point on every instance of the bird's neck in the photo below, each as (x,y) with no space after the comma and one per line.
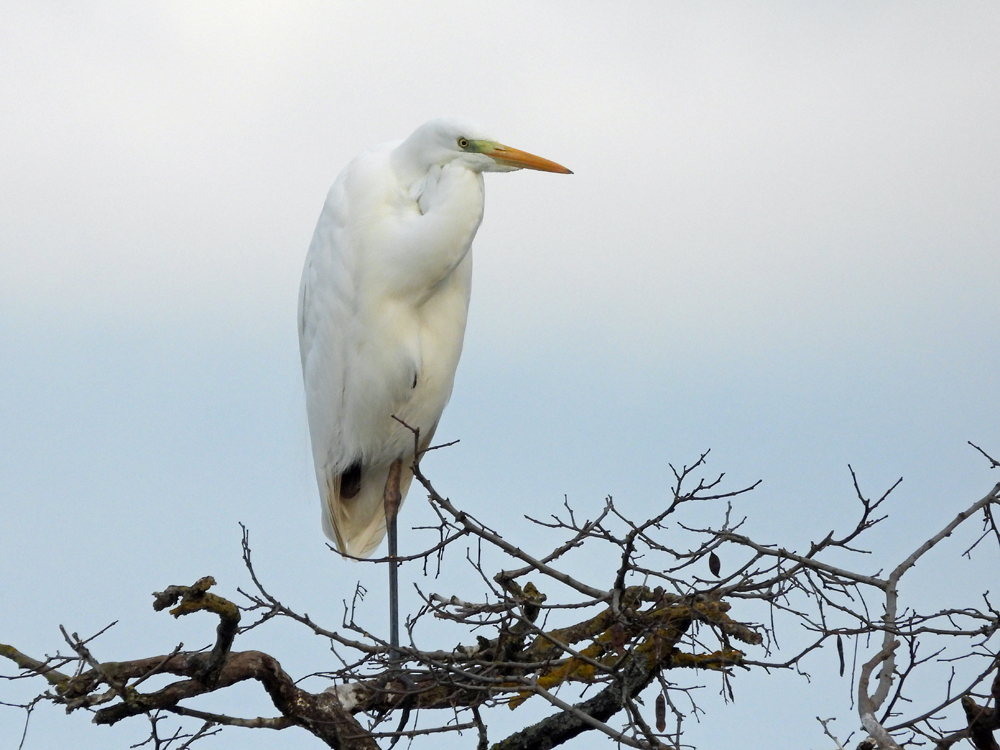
(407,165)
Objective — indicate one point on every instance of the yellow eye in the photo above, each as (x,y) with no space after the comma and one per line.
(463,143)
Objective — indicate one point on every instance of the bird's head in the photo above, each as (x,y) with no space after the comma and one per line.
(448,139)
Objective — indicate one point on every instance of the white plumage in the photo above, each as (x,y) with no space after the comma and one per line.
(382,311)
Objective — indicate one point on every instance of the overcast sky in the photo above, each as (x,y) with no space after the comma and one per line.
(781,242)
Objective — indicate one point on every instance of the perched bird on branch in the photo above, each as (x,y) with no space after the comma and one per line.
(382,312)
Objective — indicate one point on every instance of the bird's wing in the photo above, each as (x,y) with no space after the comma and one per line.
(327,312)
(358,368)
(326,308)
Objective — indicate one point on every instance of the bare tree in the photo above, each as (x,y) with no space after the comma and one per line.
(596,651)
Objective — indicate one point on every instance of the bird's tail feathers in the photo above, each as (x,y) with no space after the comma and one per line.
(357,525)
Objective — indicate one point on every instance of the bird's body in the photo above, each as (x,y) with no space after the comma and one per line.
(382,312)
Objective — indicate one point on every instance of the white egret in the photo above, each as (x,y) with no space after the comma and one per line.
(382,312)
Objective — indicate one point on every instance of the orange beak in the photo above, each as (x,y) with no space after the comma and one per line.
(512,157)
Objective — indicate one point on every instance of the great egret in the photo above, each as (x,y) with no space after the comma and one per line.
(382,312)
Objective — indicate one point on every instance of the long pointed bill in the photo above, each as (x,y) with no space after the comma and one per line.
(512,157)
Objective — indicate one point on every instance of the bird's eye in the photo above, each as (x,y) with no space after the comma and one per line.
(463,143)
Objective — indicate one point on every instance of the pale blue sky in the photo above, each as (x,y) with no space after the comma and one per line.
(781,242)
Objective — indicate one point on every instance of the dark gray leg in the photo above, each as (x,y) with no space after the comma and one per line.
(392,499)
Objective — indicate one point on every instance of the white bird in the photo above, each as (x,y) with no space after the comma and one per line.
(382,311)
